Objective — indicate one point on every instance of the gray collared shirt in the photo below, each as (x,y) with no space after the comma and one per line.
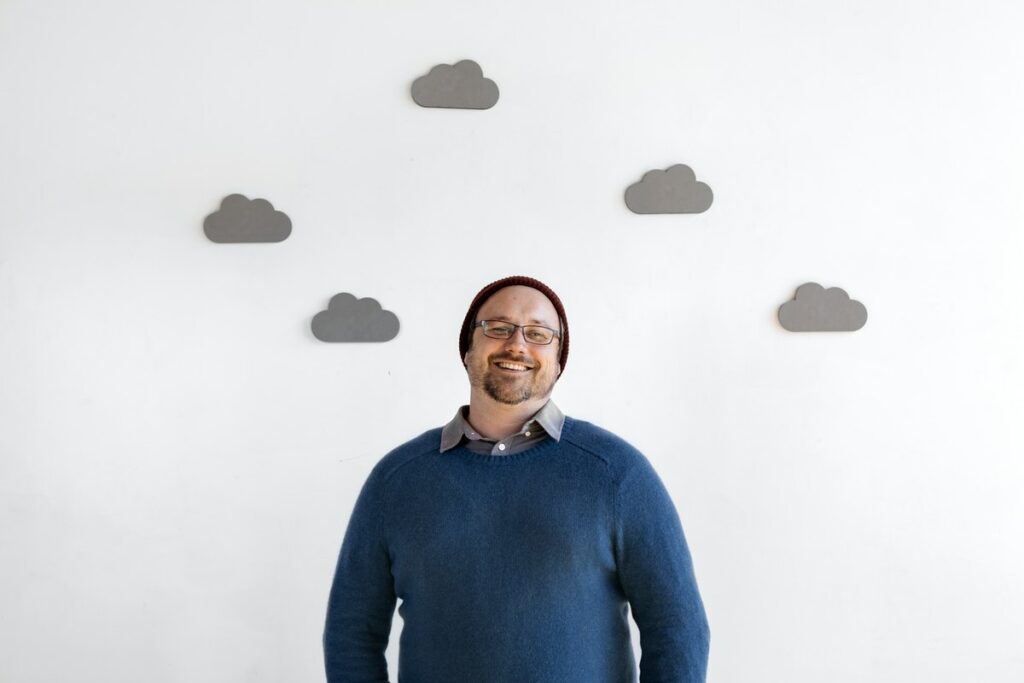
(546,423)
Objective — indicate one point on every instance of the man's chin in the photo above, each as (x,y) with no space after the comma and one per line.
(508,402)
(509,399)
(503,395)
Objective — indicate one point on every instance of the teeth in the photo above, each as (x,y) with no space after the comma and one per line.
(511,366)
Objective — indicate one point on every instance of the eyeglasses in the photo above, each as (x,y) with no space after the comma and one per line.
(500,329)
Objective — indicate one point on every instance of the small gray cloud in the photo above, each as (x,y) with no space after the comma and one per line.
(816,309)
(348,319)
(674,190)
(240,219)
(458,86)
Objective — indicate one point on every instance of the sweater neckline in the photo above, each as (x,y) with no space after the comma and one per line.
(539,450)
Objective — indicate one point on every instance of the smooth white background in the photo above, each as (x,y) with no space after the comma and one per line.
(180,455)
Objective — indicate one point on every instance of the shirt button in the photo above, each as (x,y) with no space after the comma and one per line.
(501,446)
(527,433)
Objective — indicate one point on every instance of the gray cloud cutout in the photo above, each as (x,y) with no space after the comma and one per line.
(674,190)
(240,219)
(348,319)
(458,86)
(816,309)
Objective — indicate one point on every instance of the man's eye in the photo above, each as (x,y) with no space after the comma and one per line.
(537,335)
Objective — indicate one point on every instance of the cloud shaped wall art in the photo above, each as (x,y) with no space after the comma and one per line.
(674,190)
(455,86)
(350,319)
(240,219)
(816,309)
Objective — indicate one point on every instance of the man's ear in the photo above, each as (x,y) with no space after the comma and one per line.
(559,370)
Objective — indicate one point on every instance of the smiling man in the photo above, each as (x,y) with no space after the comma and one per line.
(517,538)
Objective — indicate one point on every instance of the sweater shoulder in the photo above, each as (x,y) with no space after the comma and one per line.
(620,455)
(427,442)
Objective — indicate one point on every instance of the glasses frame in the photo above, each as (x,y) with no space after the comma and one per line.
(483,327)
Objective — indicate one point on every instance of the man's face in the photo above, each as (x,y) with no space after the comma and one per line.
(522,306)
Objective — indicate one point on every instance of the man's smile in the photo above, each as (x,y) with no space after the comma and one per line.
(511,366)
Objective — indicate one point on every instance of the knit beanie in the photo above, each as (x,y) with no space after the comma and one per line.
(466,335)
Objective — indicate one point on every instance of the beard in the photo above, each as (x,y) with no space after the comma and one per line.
(510,389)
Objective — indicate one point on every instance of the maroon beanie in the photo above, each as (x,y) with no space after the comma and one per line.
(484,294)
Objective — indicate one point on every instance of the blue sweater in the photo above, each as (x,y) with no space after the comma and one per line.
(516,568)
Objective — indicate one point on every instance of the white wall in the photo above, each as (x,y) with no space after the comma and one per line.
(180,455)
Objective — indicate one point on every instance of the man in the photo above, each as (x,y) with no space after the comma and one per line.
(515,536)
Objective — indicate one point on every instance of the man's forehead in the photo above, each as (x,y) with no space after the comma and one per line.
(517,300)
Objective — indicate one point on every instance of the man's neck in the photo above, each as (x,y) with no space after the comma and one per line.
(498,420)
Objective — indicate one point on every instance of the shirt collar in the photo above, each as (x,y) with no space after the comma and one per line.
(549,417)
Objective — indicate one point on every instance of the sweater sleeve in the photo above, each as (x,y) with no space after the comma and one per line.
(656,573)
(362,599)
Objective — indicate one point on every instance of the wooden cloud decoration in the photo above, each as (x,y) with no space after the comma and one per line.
(816,309)
(349,319)
(674,190)
(455,86)
(240,219)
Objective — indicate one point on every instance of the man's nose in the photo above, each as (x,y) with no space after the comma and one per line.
(517,340)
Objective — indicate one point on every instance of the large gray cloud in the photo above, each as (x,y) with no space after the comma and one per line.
(816,309)
(458,86)
(674,190)
(348,319)
(240,219)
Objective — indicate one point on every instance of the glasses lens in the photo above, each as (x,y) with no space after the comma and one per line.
(496,329)
(538,335)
